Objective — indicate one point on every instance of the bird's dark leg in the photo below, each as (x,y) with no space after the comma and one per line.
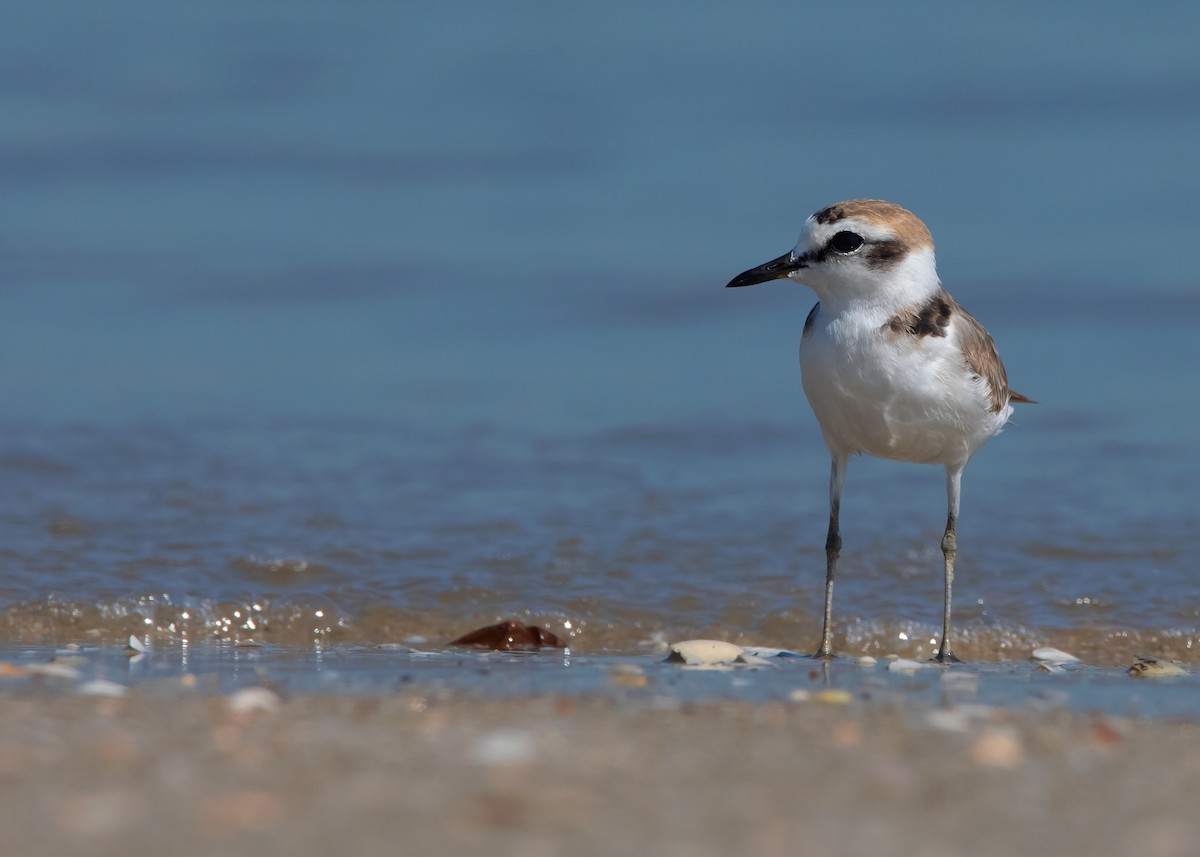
(833,549)
(945,653)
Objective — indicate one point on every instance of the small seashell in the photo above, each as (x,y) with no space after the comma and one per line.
(137,645)
(704,652)
(906,666)
(867,661)
(508,635)
(1051,655)
(102,687)
(800,695)
(1147,667)
(251,699)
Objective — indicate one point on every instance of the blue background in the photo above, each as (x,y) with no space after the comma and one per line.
(525,213)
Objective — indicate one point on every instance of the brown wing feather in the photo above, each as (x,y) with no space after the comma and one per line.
(980,353)
(933,319)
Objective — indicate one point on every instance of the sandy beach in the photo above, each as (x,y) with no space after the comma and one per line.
(431,771)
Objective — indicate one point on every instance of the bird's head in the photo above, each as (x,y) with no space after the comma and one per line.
(861,249)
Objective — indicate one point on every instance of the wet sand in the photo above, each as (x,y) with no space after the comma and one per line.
(425,771)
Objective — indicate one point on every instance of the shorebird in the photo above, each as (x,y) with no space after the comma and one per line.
(892,366)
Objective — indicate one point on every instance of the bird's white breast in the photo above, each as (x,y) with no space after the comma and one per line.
(893,396)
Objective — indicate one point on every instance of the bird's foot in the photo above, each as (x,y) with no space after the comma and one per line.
(946,657)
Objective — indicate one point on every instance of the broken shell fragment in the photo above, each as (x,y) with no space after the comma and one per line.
(509,635)
(704,652)
(1147,667)
(1050,655)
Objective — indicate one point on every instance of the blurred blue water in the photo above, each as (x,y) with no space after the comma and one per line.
(526,212)
(522,216)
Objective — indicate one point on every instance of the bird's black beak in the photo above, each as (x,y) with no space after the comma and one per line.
(776,269)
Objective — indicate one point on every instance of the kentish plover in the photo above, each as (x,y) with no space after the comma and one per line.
(891,364)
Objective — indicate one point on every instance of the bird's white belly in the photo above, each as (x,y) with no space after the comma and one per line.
(893,397)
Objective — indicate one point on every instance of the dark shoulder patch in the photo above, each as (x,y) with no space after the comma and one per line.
(808,322)
(930,319)
(832,214)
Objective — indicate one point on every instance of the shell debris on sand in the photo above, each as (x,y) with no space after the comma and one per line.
(1052,660)
(509,635)
(707,653)
(1049,654)
(1147,667)
(906,666)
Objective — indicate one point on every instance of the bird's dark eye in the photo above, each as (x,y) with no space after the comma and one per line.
(846,242)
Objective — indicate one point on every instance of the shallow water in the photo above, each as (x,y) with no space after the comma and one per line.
(374,534)
(349,326)
(211,667)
